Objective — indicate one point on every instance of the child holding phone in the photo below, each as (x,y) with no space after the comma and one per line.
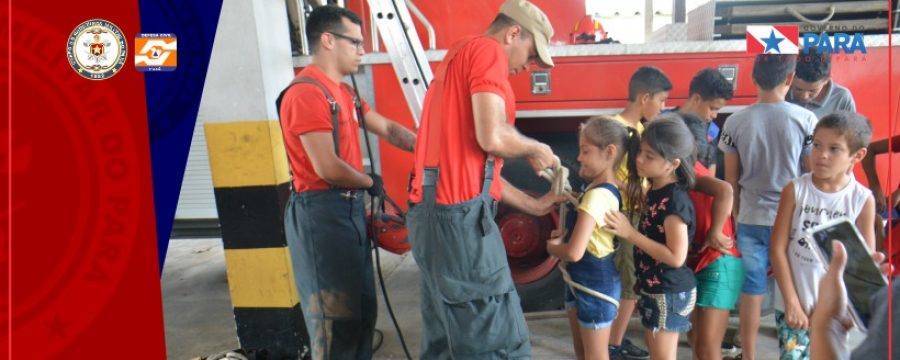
(828,192)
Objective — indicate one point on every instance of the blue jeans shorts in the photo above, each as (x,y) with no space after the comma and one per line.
(753,242)
(600,275)
(667,311)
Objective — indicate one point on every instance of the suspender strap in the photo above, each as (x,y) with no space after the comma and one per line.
(488,175)
(431,171)
(332,103)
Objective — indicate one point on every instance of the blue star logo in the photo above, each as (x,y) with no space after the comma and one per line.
(772,42)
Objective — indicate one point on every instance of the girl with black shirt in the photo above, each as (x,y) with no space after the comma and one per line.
(666,284)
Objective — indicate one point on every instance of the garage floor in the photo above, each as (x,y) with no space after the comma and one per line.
(199,319)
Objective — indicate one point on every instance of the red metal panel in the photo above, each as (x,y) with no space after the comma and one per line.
(605,78)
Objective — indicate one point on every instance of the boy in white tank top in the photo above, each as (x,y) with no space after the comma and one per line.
(828,192)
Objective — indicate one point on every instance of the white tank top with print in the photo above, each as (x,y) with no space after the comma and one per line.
(813,207)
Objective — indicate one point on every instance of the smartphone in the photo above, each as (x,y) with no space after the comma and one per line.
(862,277)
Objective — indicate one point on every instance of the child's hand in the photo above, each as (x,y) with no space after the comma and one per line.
(558,234)
(619,224)
(795,317)
(556,239)
(719,241)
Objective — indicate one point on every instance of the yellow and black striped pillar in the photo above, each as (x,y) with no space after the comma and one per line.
(251,62)
(251,184)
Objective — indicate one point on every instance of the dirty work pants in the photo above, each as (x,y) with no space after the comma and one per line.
(470,308)
(332,267)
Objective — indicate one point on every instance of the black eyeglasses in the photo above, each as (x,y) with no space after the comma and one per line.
(356,42)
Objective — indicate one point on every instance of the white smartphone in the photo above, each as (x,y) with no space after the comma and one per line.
(862,277)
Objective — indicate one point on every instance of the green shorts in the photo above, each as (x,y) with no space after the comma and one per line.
(719,283)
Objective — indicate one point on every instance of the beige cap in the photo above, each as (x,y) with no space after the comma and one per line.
(535,21)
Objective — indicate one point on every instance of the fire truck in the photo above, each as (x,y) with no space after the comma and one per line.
(591,78)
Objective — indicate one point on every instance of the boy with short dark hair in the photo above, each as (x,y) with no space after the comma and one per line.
(764,145)
(648,91)
(709,91)
(813,88)
(829,191)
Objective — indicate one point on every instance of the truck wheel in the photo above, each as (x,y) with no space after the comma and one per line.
(533,270)
(544,294)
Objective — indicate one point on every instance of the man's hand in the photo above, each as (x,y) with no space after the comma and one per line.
(377,188)
(547,203)
(832,300)
(832,305)
(619,224)
(542,158)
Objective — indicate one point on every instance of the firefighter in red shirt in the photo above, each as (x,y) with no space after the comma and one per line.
(470,308)
(325,216)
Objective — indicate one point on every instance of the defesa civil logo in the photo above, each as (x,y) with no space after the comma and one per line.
(787,39)
(155,52)
(96,49)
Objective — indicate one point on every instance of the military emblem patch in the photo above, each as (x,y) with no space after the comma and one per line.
(97,49)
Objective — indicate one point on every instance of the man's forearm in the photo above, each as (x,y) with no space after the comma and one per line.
(401,137)
(509,143)
(342,175)
(518,199)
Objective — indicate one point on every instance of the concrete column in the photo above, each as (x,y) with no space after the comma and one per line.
(251,63)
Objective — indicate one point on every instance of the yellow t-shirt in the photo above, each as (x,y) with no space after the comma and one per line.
(622,174)
(596,203)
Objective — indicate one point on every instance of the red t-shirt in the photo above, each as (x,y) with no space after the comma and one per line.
(304,109)
(697,259)
(479,66)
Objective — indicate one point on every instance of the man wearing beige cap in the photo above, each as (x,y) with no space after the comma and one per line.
(470,308)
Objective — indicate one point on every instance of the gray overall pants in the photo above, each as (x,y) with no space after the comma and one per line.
(332,263)
(470,308)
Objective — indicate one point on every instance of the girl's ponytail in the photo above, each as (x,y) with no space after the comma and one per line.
(634,186)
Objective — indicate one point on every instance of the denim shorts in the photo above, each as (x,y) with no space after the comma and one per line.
(600,275)
(753,242)
(668,311)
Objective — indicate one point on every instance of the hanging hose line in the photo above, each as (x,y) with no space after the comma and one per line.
(375,201)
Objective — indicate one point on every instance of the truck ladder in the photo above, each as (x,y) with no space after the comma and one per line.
(405,51)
